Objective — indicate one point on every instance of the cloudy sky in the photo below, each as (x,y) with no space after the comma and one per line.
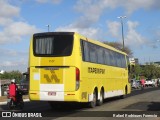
(96,19)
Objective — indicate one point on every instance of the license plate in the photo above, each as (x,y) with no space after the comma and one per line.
(52,93)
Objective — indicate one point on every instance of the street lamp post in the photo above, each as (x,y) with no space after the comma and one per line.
(48,27)
(121,17)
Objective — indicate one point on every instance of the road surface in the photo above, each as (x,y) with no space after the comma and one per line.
(137,104)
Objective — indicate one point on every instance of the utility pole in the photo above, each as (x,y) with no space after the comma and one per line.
(122,17)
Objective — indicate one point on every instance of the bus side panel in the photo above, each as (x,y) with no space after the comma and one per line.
(112,80)
(90,80)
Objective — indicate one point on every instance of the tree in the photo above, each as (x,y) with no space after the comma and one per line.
(118,46)
(138,71)
(157,74)
(12,75)
(151,71)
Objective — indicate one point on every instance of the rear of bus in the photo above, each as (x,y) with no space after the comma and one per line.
(54,67)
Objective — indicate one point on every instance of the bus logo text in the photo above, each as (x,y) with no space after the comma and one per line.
(96,70)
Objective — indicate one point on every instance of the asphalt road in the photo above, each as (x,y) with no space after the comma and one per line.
(137,103)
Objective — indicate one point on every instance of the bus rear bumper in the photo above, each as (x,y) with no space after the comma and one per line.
(54,96)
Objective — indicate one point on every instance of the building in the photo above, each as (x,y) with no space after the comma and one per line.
(133,61)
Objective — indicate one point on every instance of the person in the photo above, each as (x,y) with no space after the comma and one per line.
(142,82)
(158,82)
(13,88)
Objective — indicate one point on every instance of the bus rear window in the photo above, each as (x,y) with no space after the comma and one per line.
(53,45)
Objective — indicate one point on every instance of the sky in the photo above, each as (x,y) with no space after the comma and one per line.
(95,19)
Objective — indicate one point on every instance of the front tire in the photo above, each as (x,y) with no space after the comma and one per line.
(124,96)
(10,104)
(21,105)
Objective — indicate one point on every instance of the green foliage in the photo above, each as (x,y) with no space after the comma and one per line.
(148,71)
(12,75)
(137,72)
(151,71)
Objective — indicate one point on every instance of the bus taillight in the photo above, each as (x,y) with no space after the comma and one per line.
(77,78)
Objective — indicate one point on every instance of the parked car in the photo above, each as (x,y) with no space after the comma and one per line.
(135,84)
(150,82)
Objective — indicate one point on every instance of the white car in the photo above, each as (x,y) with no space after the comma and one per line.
(149,82)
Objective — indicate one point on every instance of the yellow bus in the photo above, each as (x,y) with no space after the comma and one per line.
(68,67)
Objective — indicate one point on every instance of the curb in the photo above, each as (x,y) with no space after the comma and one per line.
(4,103)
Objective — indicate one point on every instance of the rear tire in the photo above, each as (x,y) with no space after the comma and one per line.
(93,103)
(101,100)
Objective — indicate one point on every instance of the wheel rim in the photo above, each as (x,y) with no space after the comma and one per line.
(101,97)
(94,98)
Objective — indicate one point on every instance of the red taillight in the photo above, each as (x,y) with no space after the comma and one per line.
(77,74)
(77,78)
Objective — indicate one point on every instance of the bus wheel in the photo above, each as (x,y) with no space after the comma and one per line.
(124,96)
(93,103)
(101,100)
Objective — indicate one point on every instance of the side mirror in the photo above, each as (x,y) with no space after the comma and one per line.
(133,69)
(129,70)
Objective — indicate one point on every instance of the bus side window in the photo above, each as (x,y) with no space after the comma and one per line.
(85,51)
(124,62)
(106,57)
(92,53)
(100,55)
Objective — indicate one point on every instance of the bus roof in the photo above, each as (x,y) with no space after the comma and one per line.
(54,33)
(81,36)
